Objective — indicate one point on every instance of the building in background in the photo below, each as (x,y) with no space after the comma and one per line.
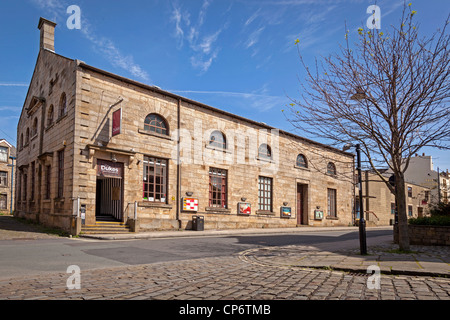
(7,152)
(421,172)
(379,201)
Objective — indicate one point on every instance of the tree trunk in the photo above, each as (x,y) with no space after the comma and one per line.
(400,195)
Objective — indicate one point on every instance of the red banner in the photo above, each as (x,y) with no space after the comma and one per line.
(116,122)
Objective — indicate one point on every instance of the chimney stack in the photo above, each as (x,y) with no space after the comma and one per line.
(47,29)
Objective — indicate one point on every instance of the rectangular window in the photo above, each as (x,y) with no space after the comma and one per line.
(410,192)
(47,182)
(410,211)
(392,207)
(3,154)
(3,178)
(427,196)
(217,188)
(3,202)
(25,186)
(60,174)
(265,194)
(332,203)
(155,179)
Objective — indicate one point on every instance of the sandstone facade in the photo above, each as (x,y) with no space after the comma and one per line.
(379,201)
(7,150)
(82,135)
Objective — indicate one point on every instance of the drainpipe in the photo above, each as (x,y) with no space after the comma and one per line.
(178,199)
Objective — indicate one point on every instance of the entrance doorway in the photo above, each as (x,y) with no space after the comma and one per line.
(109,191)
(302,204)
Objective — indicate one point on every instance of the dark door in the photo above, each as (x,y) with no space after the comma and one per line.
(299,204)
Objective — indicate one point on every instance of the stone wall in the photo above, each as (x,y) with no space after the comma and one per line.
(426,235)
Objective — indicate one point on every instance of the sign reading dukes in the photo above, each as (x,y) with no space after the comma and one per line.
(109,169)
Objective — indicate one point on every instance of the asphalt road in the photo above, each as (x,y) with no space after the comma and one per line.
(28,257)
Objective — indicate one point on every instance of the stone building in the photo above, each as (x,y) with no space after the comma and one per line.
(95,144)
(7,151)
(379,201)
(420,171)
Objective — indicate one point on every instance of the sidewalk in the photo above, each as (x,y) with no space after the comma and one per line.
(421,261)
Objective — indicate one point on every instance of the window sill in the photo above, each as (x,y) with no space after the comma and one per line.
(61,117)
(33,137)
(265,213)
(217,210)
(331,218)
(58,199)
(154,134)
(207,146)
(265,159)
(49,126)
(149,204)
(301,168)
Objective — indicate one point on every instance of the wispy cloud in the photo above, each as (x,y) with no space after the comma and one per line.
(106,47)
(203,46)
(258,99)
(13,84)
(109,50)
(252,17)
(254,37)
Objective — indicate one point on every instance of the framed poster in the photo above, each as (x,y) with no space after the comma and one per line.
(318,214)
(190,204)
(286,212)
(244,208)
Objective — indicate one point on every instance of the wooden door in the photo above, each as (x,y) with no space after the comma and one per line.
(299,204)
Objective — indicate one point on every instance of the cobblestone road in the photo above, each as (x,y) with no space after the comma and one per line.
(222,278)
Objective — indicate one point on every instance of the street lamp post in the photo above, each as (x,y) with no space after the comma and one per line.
(362,221)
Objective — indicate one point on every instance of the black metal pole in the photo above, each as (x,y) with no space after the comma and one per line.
(362,222)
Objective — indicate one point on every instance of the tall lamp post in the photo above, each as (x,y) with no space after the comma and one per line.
(362,221)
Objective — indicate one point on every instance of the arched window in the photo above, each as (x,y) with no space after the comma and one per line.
(331,168)
(155,123)
(50,116)
(217,139)
(21,141)
(63,105)
(264,151)
(301,161)
(34,129)
(27,136)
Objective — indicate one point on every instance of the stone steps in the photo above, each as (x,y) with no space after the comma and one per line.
(105,225)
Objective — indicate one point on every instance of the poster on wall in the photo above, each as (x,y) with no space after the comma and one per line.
(190,204)
(244,208)
(286,212)
(318,214)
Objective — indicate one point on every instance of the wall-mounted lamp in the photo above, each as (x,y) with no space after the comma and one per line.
(243,199)
(285,204)
(113,157)
(189,193)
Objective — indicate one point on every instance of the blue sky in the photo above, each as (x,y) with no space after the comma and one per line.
(236,55)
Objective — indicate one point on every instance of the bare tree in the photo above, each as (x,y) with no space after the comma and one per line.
(388,92)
